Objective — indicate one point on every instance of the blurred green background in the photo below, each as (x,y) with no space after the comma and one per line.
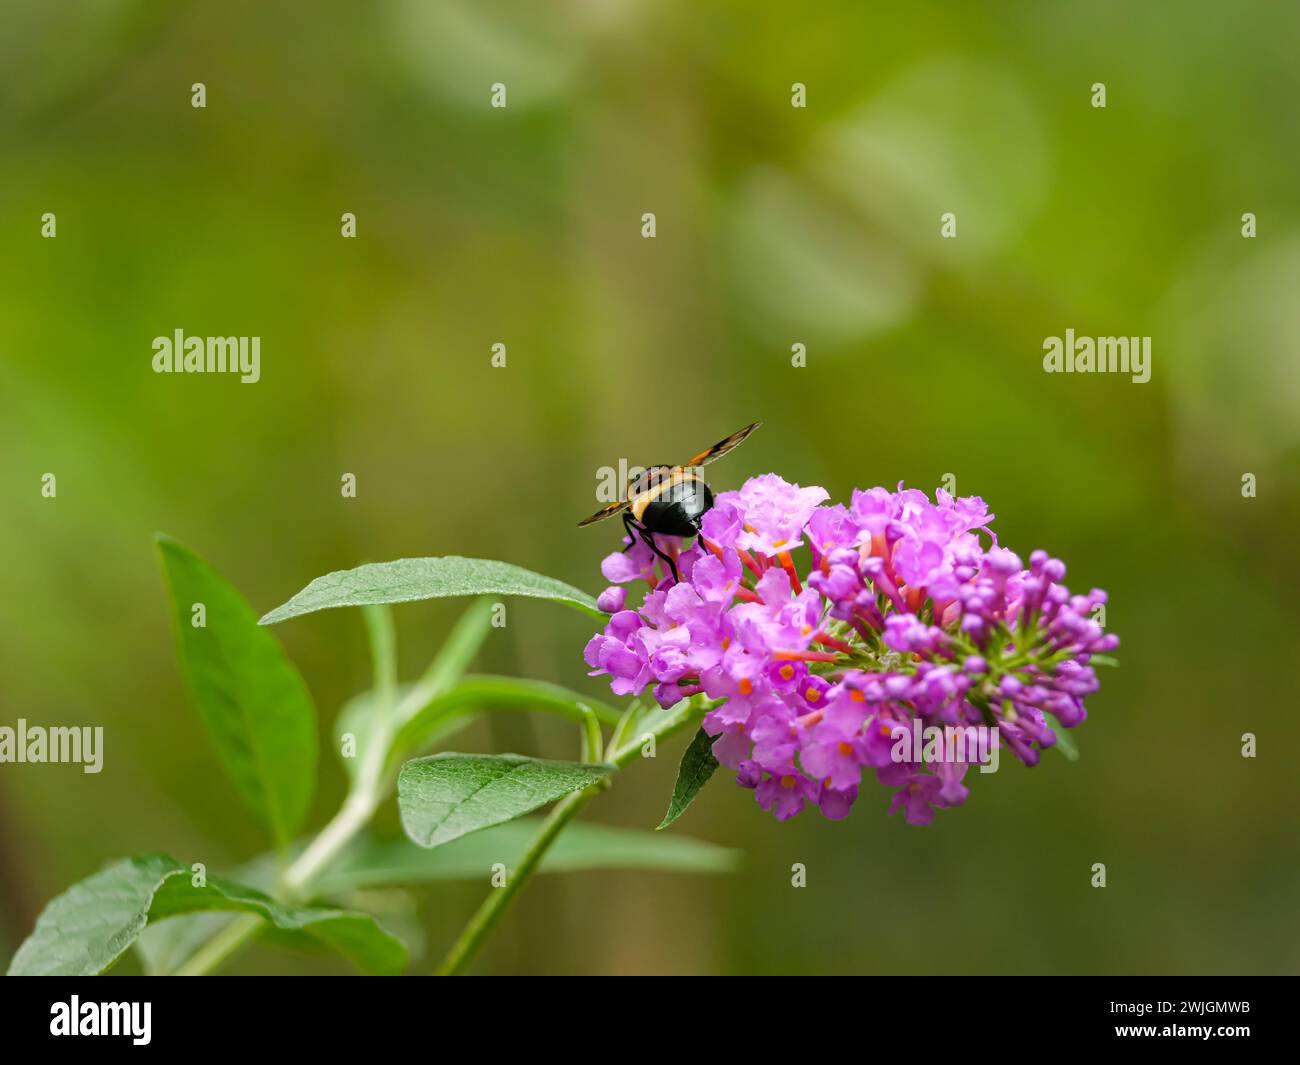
(775,226)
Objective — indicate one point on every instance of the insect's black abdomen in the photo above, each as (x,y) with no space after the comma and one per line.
(698,503)
(678,510)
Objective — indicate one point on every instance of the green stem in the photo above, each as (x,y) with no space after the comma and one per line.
(592,741)
(692,713)
(495,905)
(632,712)
(372,783)
(356,811)
(221,946)
(383,654)
(368,789)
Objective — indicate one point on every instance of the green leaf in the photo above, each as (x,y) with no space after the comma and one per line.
(580,846)
(1103,660)
(446,796)
(409,579)
(251,698)
(357,936)
(696,767)
(662,723)
(166,946)
(85,930)
(447,667)
(460,647)
(357,717)
(479,692)
(1065,743)
(427,716)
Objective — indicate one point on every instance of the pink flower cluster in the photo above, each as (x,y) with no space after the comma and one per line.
(903,618)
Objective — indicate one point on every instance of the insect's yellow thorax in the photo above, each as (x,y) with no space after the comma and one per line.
(654,483)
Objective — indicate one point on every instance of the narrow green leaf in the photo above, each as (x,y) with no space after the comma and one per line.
(475,693)
(460,647)
(662,723)
(357,717)
(409,579)
(85,930)
(631,718)
(253,701)
(581,846)
(696,767)
(446,796)
(1065,742)
(423,720)
(447,667)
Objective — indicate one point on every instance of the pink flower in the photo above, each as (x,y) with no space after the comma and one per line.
(774,513)
(902,621)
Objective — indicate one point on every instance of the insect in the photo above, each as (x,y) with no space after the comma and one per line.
(670,500)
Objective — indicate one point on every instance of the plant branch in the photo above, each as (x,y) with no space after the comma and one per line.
(592,741)
(487,916)
(368,789)
(494,907)
(216,950)
(372,781)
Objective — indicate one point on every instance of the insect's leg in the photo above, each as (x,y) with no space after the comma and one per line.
(630,528)
(649,539)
